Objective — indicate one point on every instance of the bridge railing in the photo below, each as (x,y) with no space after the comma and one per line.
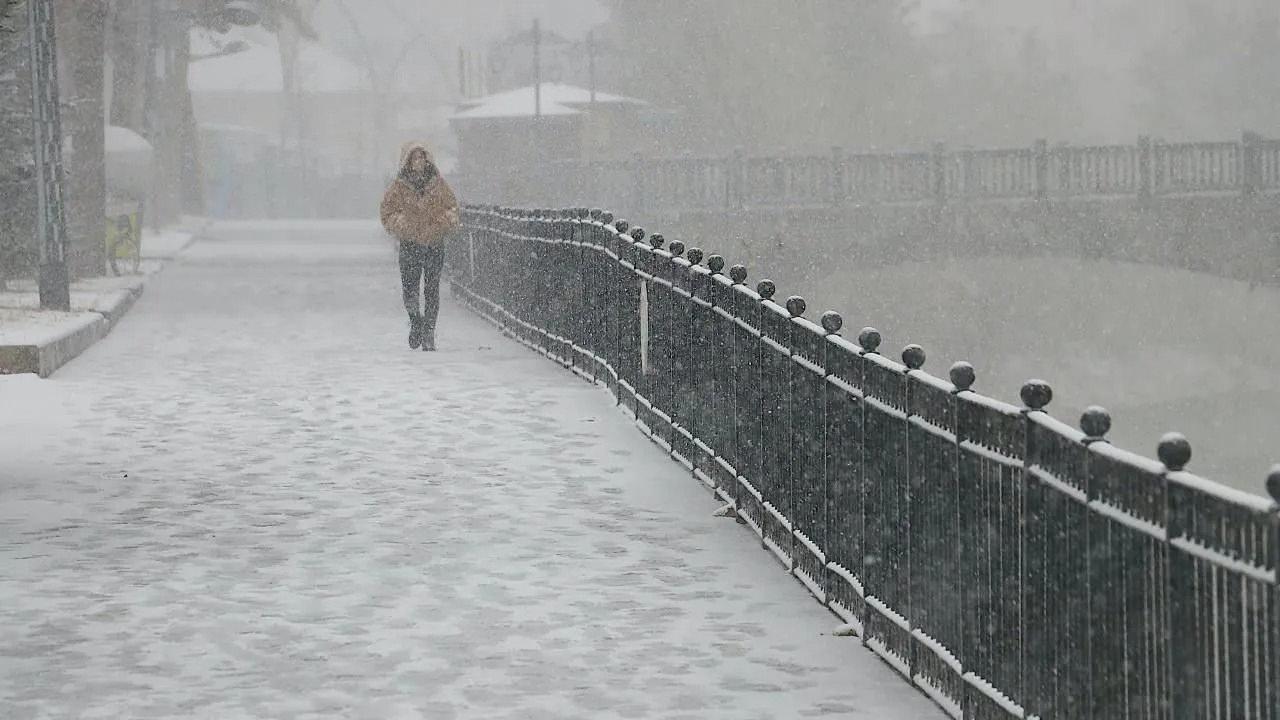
(1149,168)
(1008,564)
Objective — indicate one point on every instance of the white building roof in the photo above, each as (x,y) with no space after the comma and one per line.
(557,99)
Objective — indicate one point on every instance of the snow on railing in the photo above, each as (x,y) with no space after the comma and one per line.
(1008,563)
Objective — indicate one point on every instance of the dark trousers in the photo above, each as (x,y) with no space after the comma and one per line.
(421,265)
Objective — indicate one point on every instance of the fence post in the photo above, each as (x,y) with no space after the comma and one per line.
(1250,163)
(1036,396)
(938,172)
(831,324)
(836,176)
(1273,489)
(639,189)
(869,340)
(1146,181)
(962,376)
(736,180)
(1186,663)
(1042,169)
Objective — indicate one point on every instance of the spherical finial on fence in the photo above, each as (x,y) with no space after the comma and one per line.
(1174,451)
(1095,422)
(1273,484)
(738,274)
(715,264)
(1036,394)
(695,255)
(913,356)
(796,306)
(766,289)
(637,234)
(606,217)
(622,226)
(832,322)
(657,241)
(596,213)
(869,339)
(677,248)
(962,375)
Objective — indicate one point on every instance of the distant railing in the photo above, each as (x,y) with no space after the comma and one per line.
(1006,563)
(1146,169)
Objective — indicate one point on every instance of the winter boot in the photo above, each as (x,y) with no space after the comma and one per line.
(415,331)
(429,338)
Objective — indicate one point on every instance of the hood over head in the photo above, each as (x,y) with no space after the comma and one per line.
(408,148)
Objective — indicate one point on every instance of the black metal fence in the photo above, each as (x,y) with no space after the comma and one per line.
(1007,564)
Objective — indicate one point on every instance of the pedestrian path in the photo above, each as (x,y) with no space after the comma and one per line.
(253,500)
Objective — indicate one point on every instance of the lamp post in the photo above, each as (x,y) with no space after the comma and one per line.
(51,225)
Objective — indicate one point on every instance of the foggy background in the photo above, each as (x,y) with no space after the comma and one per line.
(1163,349)
(870,74)
(302,116)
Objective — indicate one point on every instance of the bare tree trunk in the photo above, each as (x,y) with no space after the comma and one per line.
(129,47)
(164,110)
(189,141)
(17,186)
(81,24)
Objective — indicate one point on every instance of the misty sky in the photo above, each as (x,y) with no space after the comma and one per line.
(430,33)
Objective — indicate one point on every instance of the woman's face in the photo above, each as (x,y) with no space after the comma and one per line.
(417,161)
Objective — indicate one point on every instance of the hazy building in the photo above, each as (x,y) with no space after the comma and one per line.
(505,136)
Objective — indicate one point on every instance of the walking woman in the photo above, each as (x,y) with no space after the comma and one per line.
(420,210)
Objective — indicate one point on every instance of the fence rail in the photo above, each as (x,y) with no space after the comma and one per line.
(1148,168)
(1006,563)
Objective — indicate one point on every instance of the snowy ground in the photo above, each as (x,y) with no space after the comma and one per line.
(253,500)
(23,323)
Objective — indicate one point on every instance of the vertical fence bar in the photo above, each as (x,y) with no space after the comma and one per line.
(887,508)
(1223,564)
(681,357)
(807,379)
(992,441)
(845,548)
(722,362)
(1041,186)
(1250,163)
(934,534)
(776,476)
(747,398)
(702,371)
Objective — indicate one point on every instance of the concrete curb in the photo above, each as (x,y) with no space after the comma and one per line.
(123,303)
(45,358)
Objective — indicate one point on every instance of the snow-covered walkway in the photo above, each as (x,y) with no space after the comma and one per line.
(253,500)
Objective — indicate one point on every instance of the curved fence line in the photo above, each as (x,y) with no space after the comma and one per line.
(1008,564)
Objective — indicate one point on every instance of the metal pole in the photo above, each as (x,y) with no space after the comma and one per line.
(462,72)
(55,293)
(591,64)
(537,70)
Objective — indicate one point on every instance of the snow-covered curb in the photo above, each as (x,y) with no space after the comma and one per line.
(39,341)
(49,350)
